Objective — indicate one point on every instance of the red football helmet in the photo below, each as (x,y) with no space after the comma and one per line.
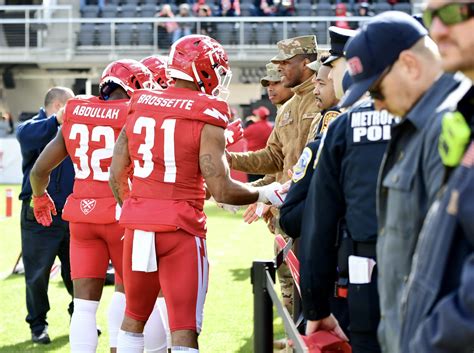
(202,60)
(157,65)
(126,73)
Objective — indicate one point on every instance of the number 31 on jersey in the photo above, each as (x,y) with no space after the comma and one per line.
(144,170)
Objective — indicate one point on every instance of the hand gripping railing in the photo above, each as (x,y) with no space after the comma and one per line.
(265,296)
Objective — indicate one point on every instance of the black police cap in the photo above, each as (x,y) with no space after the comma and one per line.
(339,37)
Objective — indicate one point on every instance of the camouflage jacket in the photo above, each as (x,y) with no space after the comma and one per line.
(288,137)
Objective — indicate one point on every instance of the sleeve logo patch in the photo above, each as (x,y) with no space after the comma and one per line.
(299,170)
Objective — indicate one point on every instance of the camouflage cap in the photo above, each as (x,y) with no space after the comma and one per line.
(288,48)
(271,76)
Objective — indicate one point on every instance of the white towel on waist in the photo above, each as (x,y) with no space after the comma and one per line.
(143,251)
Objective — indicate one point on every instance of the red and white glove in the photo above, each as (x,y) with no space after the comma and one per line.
(233,133)
(43,206)
(271,193)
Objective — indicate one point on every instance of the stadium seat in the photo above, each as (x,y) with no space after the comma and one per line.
(351,8)
(130,2)
(147,10)
(404,7)
(247,2)
(249,35)
(174,7)
(149,2)
(291,30)
(304,2)
(324,9)
(277,32)
(381,7)
(104,35)
(304,28)
(124,34)
(90,11)
(144,34)
(109,11)
(321,32)
(86,35)
(226,33)
(114,2)
(264,33)
(247,9)
(129,10)
(303,9)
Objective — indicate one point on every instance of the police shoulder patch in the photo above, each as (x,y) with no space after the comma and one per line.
(299,169)
(327,118)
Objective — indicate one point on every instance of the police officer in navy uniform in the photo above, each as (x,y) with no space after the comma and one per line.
(291,211)
(340,225)
(41,245)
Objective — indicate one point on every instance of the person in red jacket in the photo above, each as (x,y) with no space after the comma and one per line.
(257,133)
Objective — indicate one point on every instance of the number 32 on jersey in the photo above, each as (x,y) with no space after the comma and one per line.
(81,132)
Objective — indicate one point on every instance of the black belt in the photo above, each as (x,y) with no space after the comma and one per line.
(365,249)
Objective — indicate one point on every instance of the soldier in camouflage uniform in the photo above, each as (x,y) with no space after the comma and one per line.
(292,125)
(278,95)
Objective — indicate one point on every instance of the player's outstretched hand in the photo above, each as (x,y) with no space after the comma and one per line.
(43,206)
(255,211)
(233,133)
(271,193)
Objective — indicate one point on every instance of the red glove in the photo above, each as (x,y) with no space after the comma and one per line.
(233,133)
(43,206)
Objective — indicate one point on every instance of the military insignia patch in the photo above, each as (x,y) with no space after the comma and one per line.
(327,118)
(87,205)
(286,119)
(310,115)
(299,170)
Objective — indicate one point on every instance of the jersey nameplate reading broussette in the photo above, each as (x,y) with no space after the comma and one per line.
(165,102)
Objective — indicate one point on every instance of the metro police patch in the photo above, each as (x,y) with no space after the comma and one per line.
(299,170)
(370,126)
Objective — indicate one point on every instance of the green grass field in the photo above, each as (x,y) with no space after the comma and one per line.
(228,312)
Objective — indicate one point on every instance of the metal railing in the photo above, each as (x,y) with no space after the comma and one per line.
(53,34)
(265,296)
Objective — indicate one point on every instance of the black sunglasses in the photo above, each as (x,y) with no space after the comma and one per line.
(449,14)
(376,90)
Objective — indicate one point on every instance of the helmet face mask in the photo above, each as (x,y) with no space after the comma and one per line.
(128,74)
(224,76)
(202,60)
